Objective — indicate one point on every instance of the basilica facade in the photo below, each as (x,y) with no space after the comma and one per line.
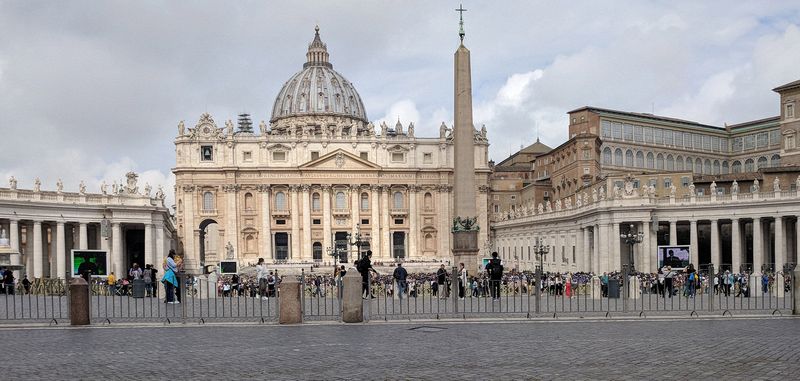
(319,182)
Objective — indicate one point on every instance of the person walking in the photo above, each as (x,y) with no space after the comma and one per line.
(495,270)
(400,275)
(261,278)
(462,280)
(147,276)
(441,280)
(170,278)
(364,267)
(668,281)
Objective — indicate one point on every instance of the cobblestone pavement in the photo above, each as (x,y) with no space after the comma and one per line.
(728,349)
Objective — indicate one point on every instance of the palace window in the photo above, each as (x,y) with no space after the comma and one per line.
(749,165)
(279,156)
(775,137)
(762,139)
(364,201)
(736,167)
(648,135)
(607,156)
(398,200)
(789,110)
(685,181)
(208,201)
(650,160)
(427,202)
(762,162)
(618,131)
(668,137)
(629,158)
(628,132)
(660,161)
(776,160)
(398,157)
(658,136)
(749,142)
(315,202)
(248,201)
(206,153)
(427,158)
(618,157)
(640,159)
(637,133)
(679,163)
(280,201)
(667,183)
(363,155)
(605,126)
(341,200)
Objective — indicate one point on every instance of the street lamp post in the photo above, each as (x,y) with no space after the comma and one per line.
(631,238)
(540,248)
(357,240)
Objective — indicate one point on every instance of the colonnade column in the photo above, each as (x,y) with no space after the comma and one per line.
(797,238)
(60,251)
(780,247)
(693,243)
(673,233)
(412,222)
(326,217)
(83,241)
(37,249)
(159,251)
(604,248)
(295,215)
(758,245)
(595,265)
(374,221)
(148,245)
(266,222)
(16,256)
(116,249)
(306,244)
(585,256)
(579,247)
(643,256)
(386,238)
(736,245)
(715,256)
(355,219)
(53,263)
(616,252)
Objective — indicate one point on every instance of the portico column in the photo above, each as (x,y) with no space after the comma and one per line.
(780,247)
(148,245)
(758,246)
(736,245)
(673,233)
(412,222)
(16,255)
(83,241)
(797,237)
(579,245)
(616,252)
(444,222)
(159,251)
(375,236)
(386,238)
(643,254)
(715,256)
(595,266)
(37,249)
(116,248)
(693,243)
(52,264)
(296,245)
(306,244)
(61,248)
(266,223)
(354,211)
(604,249)
(326,217)
(586,258)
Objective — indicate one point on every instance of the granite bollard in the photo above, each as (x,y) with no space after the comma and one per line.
(352,304)
(291,310)
(78,301)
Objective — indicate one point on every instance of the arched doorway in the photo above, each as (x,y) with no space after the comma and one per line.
(209,237)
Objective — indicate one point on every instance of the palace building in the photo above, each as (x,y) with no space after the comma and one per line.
(729,192)
(316,178)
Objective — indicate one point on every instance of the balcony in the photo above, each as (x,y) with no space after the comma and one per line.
(280,213)
(249,212)
(341,211)
(208,212)
(398,211)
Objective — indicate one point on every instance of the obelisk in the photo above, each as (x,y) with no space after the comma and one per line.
(465,234)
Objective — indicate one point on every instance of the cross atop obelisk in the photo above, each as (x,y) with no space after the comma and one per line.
(461,11)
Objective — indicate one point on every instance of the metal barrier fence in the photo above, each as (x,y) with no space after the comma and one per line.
(321,298)
(42,301)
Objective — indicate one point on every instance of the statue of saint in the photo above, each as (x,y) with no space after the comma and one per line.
(442,131)
(37,185)
(797,183)
(160,193)
(713,188)
(229,250)
(672,190)
(756,186)
(735,187)
(263,128)
(692,193)
(147,189)
(114,188)
(12,182)
(82,188)
(776,184)
(59,186)
(104,187)
(411,130)
(229,127)
(181,128)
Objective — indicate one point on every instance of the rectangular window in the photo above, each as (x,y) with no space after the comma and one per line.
(279,156)
(619,184)
(635,184)
(398,157)
(677,139)
(715,143)
(605,126)
(720,191)
(762,139)
(775,137)
(648,135)
(628,132)
(685,181)
(654,183)
(749,142)
(513,197)
(496,197)
(698,141)
(585,170)
(398,221)
(247,156)
(737,144)
(667,183)
(618,131)
(314,155)
(658,136)
(364,221)
(316,221)
(280,222)
(363,155)
(427,158)
(707,143)
(687,140)
(206,153)
(789,111)
(638,133)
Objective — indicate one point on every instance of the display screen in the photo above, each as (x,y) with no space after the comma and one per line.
(95,261)
(675,256)
(228,267)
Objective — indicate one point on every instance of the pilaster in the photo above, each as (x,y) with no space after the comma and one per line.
(307,252)
(295,216)
(412,222)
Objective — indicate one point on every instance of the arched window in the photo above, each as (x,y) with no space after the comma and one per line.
(427,202)
(707,167)
(618,157)
(716,167)
(736,167)
(689,164)
(660,161)
(629,158)
(316,249)
(698,166)
(725,168)
(429,242)
(607,156)
(640,159)
(248,201)
(679,163)
(208,201)
(341,200)
(398,200)
(749,165)
(280,201)
(315,202)
(670,163)
(364,201)
(776,160)
(762,162)
(650,160)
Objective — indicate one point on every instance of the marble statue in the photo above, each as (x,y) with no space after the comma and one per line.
(797,184)
(713,188)
(229,250)
(672,190)
(263,128)
(104,187)
(617,192)
(4,237)
(547,206)
(602,193)
(147,189)
(651,190)
(735,187)
(411,130)
(558,205)
(181,128)
(568,203)
(82,187)
(756,186)
(114,188)
(483,131)
(59,186)
(12,182)
(160,193)
(594,194)
(37,185)
(384,129)
(132,178)
(540,208)
(776,184)
(229,127)
(579,200)
(692,193)
(442,131)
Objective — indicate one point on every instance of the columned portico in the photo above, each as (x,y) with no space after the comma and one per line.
(37,250)
(673,233)
(412,222)
(306,244)
(266,222)
(295,239)
(758,245)
(694,255)
(736,245)
(715,244)
(83,237)
(327,240)
(386,239)
(780,247)
(375,236)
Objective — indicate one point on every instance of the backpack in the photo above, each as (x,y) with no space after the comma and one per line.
(361,266)
(148,275)
(271,280)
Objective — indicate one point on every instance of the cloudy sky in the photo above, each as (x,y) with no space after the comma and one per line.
(92,89)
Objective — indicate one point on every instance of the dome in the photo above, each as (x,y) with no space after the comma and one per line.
(318,90)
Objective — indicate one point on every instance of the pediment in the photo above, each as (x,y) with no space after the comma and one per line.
(340,160)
